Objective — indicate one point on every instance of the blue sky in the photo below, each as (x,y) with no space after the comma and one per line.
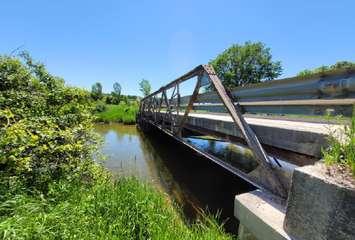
(125,41)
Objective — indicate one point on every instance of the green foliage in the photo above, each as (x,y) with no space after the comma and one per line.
(126,209)
(244,64)
(342,153)
(115,96)
(144,87)
(117,89)
(96,91)
(45,127)
(100,107)
(125,113)
(345,65)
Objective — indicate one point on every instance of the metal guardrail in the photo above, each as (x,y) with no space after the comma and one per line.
(331,94)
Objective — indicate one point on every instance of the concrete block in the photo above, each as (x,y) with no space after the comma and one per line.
(244,233)
(318,207)
(261,214)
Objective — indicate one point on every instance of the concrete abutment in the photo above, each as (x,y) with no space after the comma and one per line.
(318,208)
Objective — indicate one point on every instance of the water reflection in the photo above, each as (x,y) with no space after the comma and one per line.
(192,181)
(237,155)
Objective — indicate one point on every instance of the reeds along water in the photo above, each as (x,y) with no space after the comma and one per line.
(193,182)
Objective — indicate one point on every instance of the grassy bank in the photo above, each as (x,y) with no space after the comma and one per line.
(126,209)
(125,113)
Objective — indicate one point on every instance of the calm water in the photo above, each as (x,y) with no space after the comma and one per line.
(192,181)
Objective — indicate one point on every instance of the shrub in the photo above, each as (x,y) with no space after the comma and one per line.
(45,127)
(100,107)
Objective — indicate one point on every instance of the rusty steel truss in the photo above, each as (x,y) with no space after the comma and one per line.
(167,114)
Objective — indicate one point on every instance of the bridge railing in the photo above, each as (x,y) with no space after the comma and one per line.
(332,93)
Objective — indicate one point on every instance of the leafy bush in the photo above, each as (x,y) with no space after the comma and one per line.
(45,127)
(342,153)
(100,107)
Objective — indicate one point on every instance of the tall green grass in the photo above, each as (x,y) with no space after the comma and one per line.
(125,113)
(125,209)
(342,152)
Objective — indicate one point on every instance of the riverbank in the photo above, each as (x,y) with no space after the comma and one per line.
(123,209)
(124,113)
(50,185)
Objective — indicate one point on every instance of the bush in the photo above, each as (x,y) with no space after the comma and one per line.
(100,107)
(45,127)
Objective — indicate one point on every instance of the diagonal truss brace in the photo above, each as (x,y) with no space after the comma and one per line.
(248,134)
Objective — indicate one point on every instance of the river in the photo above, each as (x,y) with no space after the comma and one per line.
(192,181)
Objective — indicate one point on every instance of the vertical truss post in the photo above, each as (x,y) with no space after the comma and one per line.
(167,107)
(178,101)
(189,106)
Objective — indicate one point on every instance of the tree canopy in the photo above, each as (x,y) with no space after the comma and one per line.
(244,64)
(144,87)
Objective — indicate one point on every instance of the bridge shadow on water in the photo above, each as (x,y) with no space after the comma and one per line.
(192,180)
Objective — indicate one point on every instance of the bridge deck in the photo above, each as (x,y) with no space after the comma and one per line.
(298,136)
(295,125)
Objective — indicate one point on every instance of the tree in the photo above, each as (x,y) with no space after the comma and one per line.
(96,91)
(116,93)
(117,89)
(144,87)
(243,64)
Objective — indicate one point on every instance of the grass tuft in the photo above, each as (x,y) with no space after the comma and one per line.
(342,153)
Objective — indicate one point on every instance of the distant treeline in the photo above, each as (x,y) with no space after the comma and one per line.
(116,96)
(345,65)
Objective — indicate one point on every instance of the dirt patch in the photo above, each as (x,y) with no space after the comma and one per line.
(341,175)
